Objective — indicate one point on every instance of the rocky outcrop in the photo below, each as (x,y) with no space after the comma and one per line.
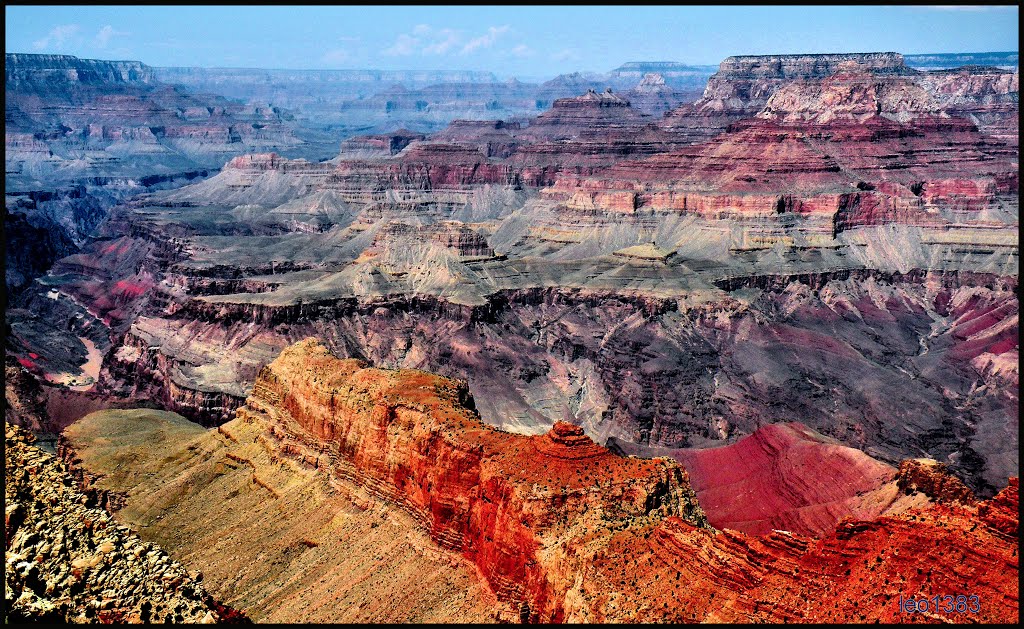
(70,562)
(691,575)
(585,116)
(653,95)
(381,145)
(462,240)
(497,498)
(23,398)
(1002,513)
(850,94)
(743,85)
(932,479)
(493,138)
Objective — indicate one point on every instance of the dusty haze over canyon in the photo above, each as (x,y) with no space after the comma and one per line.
(667,342)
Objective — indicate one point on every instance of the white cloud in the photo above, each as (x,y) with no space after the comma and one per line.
(404,45)
(57,38)
(522,50)
(444,40)
(486,40)
(425,40)
(105,34)
(428,40)
(335,56)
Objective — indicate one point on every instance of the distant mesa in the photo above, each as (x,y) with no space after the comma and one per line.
(593,98)
(808,66)
(21,69)
(649,252)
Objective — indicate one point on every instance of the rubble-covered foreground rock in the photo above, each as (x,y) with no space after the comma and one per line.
(67,561)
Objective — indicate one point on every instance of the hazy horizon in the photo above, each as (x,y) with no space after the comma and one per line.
(522,42)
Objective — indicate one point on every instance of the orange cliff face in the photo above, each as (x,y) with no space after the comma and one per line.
(859,573)
(524,510)
(561,529)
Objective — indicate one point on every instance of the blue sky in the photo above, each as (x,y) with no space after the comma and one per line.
(524,41)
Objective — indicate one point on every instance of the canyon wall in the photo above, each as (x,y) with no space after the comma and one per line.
(497,498)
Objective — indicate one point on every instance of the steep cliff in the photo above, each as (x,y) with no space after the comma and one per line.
(497,498)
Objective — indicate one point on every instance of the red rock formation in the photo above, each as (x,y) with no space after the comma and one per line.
(677,573)
(810,86)
(493,138)
(788,477)
(564,530)
(502,500)
(1002,513)
(931,478)
(584,117)
(743,85)
(852,173)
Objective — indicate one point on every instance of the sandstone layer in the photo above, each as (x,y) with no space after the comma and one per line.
(501,500)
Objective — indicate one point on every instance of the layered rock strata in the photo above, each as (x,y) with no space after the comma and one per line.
(862,572)
(856,274)
(744,86)
(788,477)
(271,535)
(497,498)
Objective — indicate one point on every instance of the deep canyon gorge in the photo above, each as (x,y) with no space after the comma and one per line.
(663,344)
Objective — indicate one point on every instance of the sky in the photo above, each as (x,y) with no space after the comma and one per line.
(522,41)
